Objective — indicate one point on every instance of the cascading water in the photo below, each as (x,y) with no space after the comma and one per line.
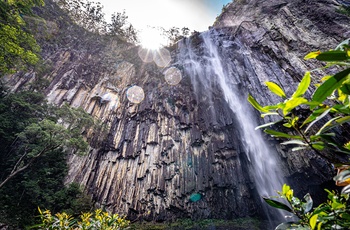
(208,73)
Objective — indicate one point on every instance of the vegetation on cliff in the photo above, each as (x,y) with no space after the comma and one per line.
(18,47)
(33,156)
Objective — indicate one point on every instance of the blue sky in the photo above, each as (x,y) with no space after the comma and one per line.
(194,14)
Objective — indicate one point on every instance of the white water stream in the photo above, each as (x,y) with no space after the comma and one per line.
(207,73)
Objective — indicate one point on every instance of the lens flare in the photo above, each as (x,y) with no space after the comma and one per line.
(173,76)
(146,55)
(195,197)
(162,57)
(135,94)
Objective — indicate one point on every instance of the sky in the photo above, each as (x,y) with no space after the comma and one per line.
(195,14)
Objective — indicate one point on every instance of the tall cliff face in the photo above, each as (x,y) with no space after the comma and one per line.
(180,152)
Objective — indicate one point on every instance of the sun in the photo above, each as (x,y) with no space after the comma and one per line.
(152,39)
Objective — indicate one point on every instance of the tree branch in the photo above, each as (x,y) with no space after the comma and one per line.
(15,171)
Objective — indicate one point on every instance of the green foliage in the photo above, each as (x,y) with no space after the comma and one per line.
(329,104)
(61,129)
(41,185)
(18,110)
(98,220)
(32,128)
(34,140)
(18,48)
(329,109)
(333,214)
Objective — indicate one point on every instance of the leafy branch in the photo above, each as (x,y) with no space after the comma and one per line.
(329,103)
(328,111)
(47,135)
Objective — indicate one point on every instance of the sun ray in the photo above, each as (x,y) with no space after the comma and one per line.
(152,39)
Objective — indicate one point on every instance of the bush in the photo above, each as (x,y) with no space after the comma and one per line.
(95,221)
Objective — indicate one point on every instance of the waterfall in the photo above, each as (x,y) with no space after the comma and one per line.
(208,73)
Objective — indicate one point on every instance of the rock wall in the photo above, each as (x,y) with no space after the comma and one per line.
(166,157)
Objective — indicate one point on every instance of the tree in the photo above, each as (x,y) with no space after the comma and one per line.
(87,14)
(118,22)
(41,184)
(119,26)
(32,128)
(35,138)
(328,110)
(174,34)
(18,48)
(40,138)
(90,16)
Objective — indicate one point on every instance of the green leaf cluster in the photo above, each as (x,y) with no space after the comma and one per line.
(328,108)
(98,220)
(35,138)
(42,184)
(18,48)
(333,214)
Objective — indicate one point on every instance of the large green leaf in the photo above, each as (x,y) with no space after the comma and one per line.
(303,85)
(319,145)
(333,55)
(298,148)
(291,226)
(256,105)
(317,119)
(341,109)
(345,88)
(292,103)
(276,89)
(312,55)
(314,115)
(343,44)
(266,125)
(280,134)
(294,142)
(274,107)
(327,88)
(345,216)
(277,204)
(329,125)
(343,120)
(313,221)
(270,114)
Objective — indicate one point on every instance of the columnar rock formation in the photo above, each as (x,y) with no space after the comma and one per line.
(155,159)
